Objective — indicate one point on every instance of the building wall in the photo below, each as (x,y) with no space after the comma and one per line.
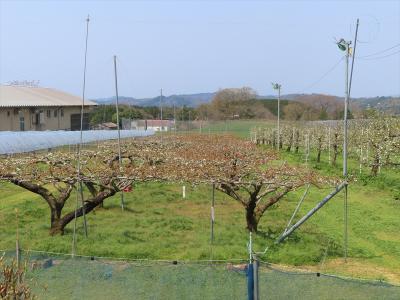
(53,118)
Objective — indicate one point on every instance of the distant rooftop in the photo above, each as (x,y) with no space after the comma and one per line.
(31,96)
(156,123)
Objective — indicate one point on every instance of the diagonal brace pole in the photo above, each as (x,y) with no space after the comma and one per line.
(297,208)
(311,212)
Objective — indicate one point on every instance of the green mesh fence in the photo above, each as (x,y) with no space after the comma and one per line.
(61,277)
(279,284)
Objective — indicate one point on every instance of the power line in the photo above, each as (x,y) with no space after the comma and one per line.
(380,57)
(324,75)
(379,52)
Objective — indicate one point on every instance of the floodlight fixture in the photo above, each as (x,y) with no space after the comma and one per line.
(343,45)
(276,86)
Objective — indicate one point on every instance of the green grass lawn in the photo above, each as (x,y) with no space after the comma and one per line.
(239,128)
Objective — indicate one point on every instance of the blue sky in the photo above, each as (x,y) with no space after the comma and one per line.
(199,46)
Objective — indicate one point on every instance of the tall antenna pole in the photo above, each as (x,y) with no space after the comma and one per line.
(81,133)
(161,116)
(118,126)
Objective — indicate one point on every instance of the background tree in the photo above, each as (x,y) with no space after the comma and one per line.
(229,102)
(295,111)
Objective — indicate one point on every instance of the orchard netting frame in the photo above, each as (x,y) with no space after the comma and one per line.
(27,141)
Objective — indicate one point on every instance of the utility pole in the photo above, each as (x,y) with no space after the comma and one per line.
(345,46)
(277,86)
(119,131)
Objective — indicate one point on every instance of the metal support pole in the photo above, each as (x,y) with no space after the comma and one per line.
(346,103)
(308,146)
(17,248)
(297,207)
(311,212)
(17,252)
(293,139)
(329,144)
(250,247)
(277,86)
(174,119)
(279,117)
(212,212)
(84,80)
(348,89)
(361,151)
(346,212)
(73,252)
(80,187)
(345,137)
(81,131)
(119,130)
(161,116)
(189,121)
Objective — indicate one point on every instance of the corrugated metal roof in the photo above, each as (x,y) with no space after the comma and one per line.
(26,96)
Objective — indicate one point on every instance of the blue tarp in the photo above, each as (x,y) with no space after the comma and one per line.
(26,141)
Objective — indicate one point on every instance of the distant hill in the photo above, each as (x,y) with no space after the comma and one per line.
(388,104)
(191,100)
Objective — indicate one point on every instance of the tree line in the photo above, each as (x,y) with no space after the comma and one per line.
(108,113)
(238,103)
